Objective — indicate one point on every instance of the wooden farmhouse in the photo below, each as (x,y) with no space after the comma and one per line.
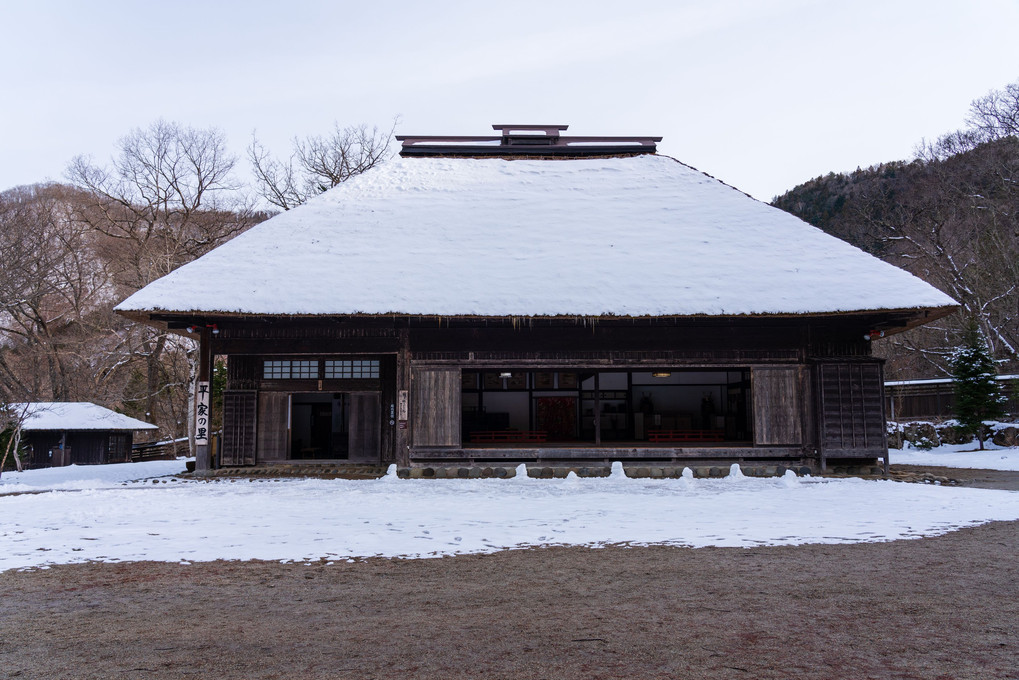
(76,433)
(535,297)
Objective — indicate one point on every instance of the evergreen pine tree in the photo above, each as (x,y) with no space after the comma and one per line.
(977,396)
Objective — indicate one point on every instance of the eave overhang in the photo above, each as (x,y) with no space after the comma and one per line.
(880,322)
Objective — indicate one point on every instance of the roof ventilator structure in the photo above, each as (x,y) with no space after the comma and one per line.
(527,140)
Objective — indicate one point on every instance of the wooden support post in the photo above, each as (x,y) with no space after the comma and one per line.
(401,440)
(203,403)
(597,410)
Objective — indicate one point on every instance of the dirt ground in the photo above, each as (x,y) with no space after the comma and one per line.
(945,607)
(983,479)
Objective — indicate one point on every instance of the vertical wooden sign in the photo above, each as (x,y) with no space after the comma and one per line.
(202,413)
(402,406)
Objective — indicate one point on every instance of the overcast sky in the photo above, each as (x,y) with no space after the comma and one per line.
(761,94)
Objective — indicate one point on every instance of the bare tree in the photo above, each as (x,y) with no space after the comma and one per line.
(991,117)
(318,163)
(167,197)
(996,114)
(954,222)
(53,290)
(12,417)
(949,216)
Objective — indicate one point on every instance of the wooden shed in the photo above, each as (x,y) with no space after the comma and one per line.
(530,296)
(77,433)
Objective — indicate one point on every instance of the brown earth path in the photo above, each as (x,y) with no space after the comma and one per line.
(982,479)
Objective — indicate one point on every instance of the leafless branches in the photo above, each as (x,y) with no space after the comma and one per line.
(52,282)
(991,117)
(318,163)
(167,197)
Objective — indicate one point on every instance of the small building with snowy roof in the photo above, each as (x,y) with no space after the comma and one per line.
(59,433)
(535,297)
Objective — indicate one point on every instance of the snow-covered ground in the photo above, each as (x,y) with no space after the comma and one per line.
(95,513)
(960,456)
(79,477)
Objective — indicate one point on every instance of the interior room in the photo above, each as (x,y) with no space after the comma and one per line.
(559,407)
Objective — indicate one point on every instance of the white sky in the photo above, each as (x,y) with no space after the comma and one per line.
(763,94)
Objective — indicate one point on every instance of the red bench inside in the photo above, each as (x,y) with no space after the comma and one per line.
(686,435)
(509,437)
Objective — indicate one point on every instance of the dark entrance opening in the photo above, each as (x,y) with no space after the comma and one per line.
(318,427)
(337,426)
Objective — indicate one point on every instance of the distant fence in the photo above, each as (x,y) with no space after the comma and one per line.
(165,450)
(935,399)
(170,449)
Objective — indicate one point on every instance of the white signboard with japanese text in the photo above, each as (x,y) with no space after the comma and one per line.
(402,407)
(202,413)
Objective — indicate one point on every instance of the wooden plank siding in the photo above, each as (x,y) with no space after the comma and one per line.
(778,405)
(851,409)
(273,427)
(89,447)
(363,426)
(435,407)
(239,418)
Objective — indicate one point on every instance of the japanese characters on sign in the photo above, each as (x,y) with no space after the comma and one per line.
(202,413)
(402,404)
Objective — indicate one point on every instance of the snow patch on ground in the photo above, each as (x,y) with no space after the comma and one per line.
(79,477)
(112,519)
(960,456)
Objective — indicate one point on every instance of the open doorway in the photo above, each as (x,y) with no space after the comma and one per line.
(337,426)
(319,427)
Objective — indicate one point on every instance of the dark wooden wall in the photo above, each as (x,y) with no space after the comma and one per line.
(851,409)
(936,401)
(364,434)
(435,407)
(778,405)
(273,427)
(90,447)
(239,419)
(794,405)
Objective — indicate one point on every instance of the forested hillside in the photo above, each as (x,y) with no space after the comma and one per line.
(949,216)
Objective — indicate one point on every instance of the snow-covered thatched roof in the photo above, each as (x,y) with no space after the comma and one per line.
(76,415)
(627,236)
